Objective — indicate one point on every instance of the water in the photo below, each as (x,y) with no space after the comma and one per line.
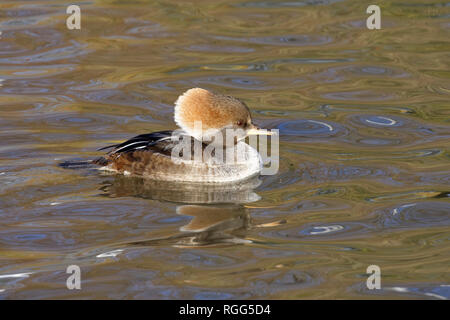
(364,169)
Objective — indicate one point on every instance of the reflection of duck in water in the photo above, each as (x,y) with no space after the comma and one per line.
(193,193)
(152,155)
(218,211)
(214,224)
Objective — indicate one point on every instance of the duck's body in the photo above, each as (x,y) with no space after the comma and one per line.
(157,155)
(150,156)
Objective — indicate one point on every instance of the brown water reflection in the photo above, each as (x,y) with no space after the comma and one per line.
(364,145)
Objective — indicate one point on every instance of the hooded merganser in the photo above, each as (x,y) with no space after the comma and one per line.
(151,155)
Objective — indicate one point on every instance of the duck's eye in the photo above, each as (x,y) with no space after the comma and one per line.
(239,123)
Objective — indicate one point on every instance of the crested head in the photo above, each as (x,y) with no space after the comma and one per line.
(214,112)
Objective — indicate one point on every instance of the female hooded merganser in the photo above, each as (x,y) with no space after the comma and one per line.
(204,117)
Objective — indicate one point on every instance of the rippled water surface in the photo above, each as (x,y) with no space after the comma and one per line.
(364,150)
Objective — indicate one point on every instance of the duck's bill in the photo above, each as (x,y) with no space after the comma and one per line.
(258,131)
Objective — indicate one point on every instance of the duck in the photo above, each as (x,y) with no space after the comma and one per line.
(199,150)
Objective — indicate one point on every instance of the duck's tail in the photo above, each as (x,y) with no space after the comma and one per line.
(78,164)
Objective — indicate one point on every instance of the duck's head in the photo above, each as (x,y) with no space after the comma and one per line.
(203,114)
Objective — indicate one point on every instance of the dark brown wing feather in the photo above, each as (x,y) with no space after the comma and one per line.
(147,153)
(155,142)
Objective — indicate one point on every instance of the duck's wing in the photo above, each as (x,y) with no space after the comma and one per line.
(155,141)
(143,149)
